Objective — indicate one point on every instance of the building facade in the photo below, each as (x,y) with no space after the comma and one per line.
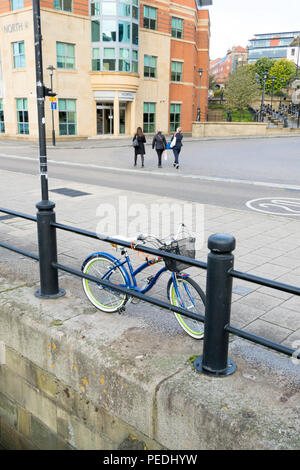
(271,45)
(118,64)
(293,52)
(221,69)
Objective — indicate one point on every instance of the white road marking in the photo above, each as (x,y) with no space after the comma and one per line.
(159,173)
(285,206)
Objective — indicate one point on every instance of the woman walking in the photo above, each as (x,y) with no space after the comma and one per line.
(139,148)
(177,147)
(159,143)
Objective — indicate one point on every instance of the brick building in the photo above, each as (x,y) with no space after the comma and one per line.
(221,69)
(118,64)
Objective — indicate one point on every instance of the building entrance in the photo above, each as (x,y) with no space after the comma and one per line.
(105,118)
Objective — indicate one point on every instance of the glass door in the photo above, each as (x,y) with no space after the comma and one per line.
(105,118)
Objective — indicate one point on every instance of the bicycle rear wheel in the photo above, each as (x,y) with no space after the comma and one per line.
(103,298)
(192,298)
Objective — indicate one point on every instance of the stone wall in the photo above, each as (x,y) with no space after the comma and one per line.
(76,378)
(242,129)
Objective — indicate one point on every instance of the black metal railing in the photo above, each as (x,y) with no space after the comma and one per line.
(220,274)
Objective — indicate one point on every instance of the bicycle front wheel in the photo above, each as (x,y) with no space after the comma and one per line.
(191,297)
(103,298)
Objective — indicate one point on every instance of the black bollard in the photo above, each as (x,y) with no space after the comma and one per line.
(49,288)
(220,260)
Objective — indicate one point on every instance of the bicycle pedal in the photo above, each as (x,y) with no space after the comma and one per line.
(121,310)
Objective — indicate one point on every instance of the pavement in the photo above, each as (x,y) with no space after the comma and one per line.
(267,246)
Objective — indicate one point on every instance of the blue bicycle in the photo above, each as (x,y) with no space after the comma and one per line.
(182,291)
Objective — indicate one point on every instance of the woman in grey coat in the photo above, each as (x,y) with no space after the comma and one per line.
(159,143)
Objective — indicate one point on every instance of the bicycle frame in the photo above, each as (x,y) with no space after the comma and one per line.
(134,273)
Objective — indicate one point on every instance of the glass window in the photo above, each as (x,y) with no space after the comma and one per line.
(95,59)
(124,31)
(65,56)
(22,116)
(124,9)
(175,116)
(109,30)
(65,5)
(124,61)
(2,125)
(19,55)
(109,65)
(150,17)
(109,8)
(95,31)
(149,117)
(67,117)
(150,64)
(17,4)
(176,72)
(177,28)
(135,66)
(135,34)
(135,12)
(95,9)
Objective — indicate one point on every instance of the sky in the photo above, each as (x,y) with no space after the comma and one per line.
(234,22)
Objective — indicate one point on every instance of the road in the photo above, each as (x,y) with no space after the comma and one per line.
(225,173)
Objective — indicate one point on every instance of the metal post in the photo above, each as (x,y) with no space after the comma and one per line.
(51,68)
(45,215)
(198,109)
(220,260)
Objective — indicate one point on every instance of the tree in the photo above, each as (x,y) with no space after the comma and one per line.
(282,69)
(263,65)
(241,89)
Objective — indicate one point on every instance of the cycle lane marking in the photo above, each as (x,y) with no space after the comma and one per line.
(284,206)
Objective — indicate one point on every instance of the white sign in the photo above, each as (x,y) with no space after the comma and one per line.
(126,96)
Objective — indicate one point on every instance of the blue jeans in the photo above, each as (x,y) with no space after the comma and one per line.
(176,152)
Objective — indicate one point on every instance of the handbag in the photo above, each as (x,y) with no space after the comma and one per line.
(173,142)
(135,142)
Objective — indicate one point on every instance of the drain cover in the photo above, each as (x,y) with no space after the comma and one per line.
(69,192)
(6,217)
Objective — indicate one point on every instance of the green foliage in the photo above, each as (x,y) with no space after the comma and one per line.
(282,68)
(241,89)
(242,115)
(263,65)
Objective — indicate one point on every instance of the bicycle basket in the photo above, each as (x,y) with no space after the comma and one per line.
(183,247)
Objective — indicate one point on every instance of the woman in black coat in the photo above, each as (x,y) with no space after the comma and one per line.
(140,148)
(177,148)
(159,143)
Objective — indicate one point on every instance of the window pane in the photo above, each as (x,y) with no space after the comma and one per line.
(109,8)
(71,105)
(109,30)
(124,31)
(124,53)
(67,5)
(95,9)
(109,53)
(62,105)
(135,34)
(124,9)
(95,31)
(109,64)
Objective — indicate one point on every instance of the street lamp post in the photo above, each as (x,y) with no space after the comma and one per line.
(272,92)
(49,287)
(51,69)
(200,71)
(282,81)
(265,76)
